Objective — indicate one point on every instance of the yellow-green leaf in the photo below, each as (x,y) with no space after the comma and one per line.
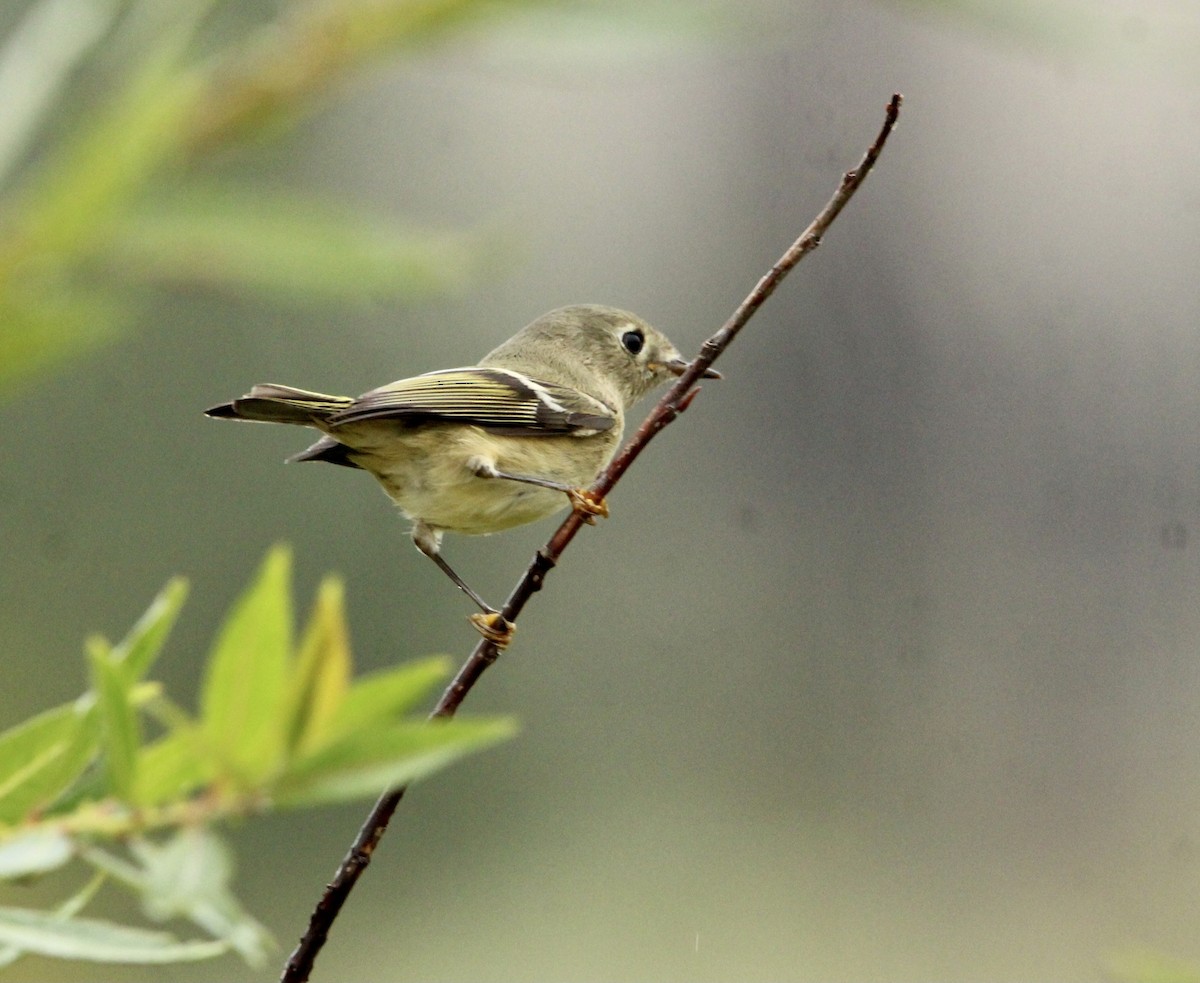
(322,674)
(367,764)
(120,731)
(172,767)
(138,649)
(41,757)
(242,703)
(383,697)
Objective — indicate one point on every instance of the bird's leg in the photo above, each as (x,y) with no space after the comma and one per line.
(587,503)
(490,623)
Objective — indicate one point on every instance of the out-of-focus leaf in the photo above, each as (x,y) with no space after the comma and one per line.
(313,47)
(188,876)
(172,767)
(119,728)
(97,941)
(35,61)
(181,761)
(321,677)
(35,852)
(138,649)
(68,204)
(50,324)
(246,678)
(121,871)
(41,757)
(9,954)
(366,764)
(384,696)
(293,248)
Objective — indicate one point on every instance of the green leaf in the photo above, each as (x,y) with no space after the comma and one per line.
(40,758)
(367,764)
(172,767)
(35,852)
(289,247)
(119,727)
(242,700)
(382,697)
(97,941)
(188,876)
(321,677)
(138,649)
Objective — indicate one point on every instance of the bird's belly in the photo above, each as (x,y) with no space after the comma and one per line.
(480,506)
(427,473)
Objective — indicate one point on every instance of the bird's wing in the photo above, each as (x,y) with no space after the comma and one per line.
(500,400)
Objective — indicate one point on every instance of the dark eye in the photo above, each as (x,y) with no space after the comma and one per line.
(633,341)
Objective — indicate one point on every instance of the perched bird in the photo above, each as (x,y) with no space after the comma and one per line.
(481,449)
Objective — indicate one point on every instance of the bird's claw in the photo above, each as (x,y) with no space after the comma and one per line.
(494,627)
(588,504)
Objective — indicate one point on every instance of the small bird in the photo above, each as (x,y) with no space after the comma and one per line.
(484,448)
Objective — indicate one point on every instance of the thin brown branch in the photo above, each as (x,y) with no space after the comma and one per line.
(299,965)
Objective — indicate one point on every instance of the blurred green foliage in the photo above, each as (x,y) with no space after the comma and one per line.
(109,112)
(281,724)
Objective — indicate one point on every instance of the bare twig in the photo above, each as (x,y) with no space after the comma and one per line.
(299,965)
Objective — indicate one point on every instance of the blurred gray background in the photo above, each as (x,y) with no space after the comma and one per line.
(885,666)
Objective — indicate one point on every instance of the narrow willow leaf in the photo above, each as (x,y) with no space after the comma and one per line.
(34,853)
(119,727)
(41,757)
(97,941)
(383,697)
(138,650)
(246,678)
(319,682)
(367,764)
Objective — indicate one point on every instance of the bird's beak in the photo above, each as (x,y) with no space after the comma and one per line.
(677,366)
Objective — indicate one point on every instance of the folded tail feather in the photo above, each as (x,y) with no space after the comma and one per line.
(270,403)
(328,450)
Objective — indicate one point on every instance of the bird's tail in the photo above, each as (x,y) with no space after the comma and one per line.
(269,403)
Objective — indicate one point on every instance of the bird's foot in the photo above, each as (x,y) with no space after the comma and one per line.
(494,627)
(588,504)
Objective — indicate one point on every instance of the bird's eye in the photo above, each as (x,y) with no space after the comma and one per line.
(633,341)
